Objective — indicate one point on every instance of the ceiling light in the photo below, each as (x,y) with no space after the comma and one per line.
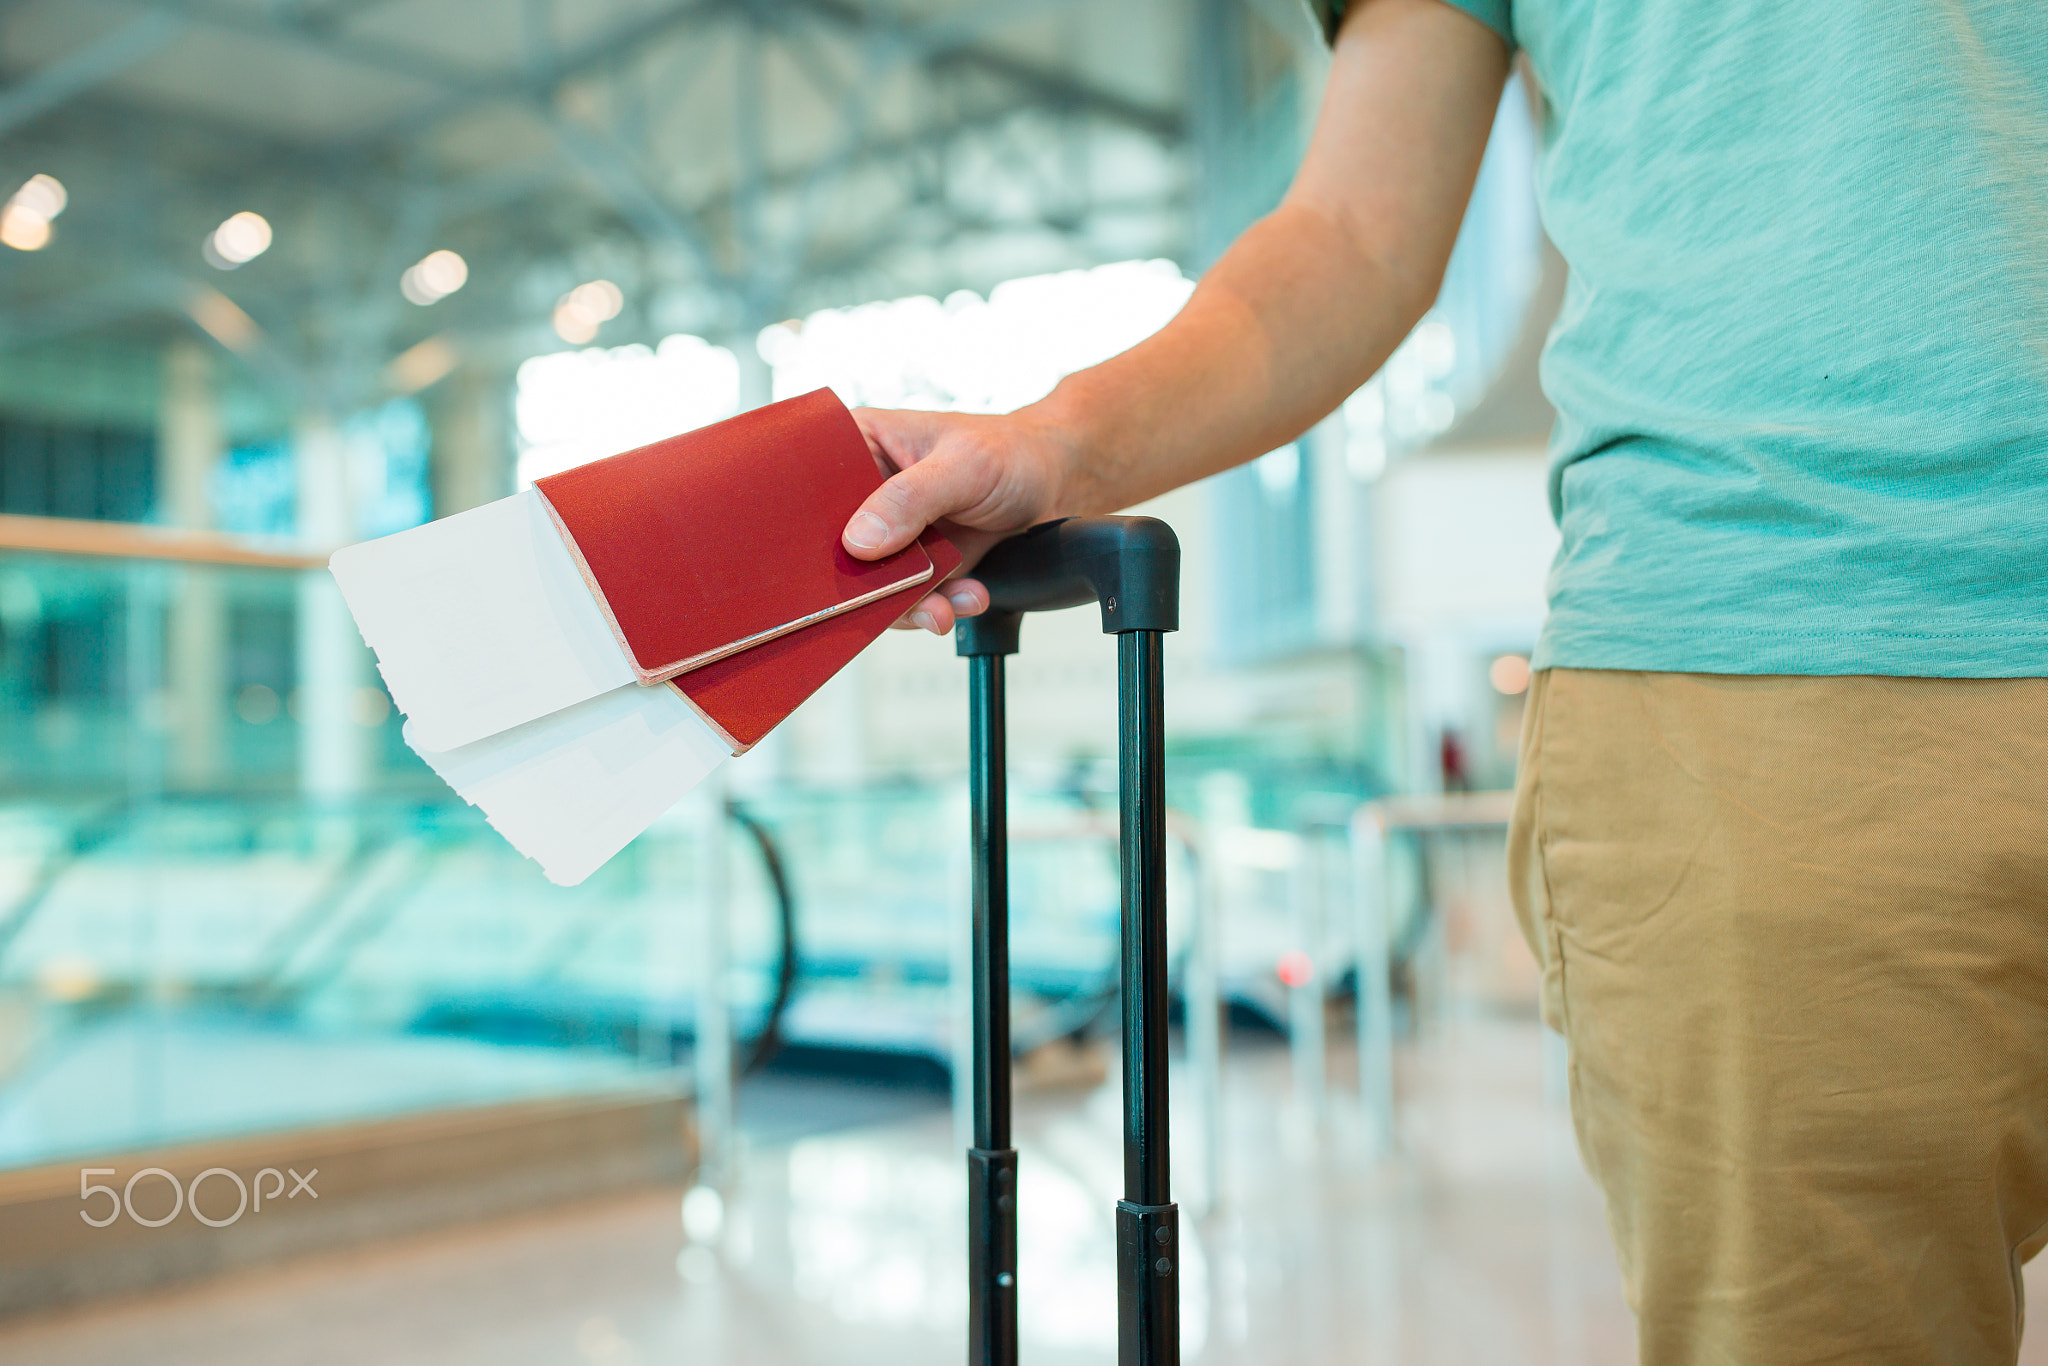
(25,221)
(238,241)
(22,230)
(573,325)
(600,298)
(434,277)
(580,312)
(42,195)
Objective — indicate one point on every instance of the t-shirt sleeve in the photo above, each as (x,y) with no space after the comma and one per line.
(1328,14)
(1495,14)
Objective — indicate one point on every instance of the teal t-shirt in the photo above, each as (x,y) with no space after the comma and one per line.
(1801,371)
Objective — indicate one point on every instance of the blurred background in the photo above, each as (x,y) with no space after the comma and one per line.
(279,275)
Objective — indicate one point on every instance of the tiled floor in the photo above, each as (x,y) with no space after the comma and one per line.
(1481,1242)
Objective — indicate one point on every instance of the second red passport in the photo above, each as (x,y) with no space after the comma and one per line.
(746,695)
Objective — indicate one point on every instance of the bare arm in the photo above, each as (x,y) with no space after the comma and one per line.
(1296,315)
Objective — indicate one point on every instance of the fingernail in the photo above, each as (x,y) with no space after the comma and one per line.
(924,620)
(866,530)
(963,601)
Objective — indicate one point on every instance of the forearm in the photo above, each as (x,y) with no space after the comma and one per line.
(1292,319)
(1309,303)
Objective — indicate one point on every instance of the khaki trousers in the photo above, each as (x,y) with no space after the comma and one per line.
(1795,931)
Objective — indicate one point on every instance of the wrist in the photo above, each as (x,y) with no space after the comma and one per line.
(1069,437)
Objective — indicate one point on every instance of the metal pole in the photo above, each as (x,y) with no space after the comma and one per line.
(1305,1023)
(960,989)
(1148,1225)
(1205,1021)
(711,1057)
(991,1162)
(1375,985)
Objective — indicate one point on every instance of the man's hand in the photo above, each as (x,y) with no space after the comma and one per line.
(978,479)
(1298,313)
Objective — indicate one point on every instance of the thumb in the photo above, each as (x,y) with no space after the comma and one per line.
(940,485)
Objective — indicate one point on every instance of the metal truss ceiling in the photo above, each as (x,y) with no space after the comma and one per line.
(728,162)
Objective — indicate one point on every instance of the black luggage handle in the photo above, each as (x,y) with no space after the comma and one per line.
(1131,567)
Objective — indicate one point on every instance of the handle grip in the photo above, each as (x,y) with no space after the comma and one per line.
(1130,565)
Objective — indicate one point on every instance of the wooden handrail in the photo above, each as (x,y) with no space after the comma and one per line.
(1449,811)
(135,541)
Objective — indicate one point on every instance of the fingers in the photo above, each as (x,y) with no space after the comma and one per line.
(967,597)
(945,483)
(943,466)
(978,478)
(937,612)
(932,613)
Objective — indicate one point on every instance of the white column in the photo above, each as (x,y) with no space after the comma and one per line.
(471,462)
(189,448)
(333,663)
(189,439)
(757,377)
(829,733)
(1371,895)
(1340,534)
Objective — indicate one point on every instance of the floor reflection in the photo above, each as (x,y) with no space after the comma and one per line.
(1481,1240)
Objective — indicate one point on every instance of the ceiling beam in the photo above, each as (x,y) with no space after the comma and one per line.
(961,30)
(318,14)
(460,90)
(526,85)
(83,68)
(1056,88)
(650,215)
(389,58)
(947,43)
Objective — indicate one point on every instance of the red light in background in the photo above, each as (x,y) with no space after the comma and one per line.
(1296,968)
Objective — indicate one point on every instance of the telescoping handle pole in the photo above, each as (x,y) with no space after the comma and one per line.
(1147,1221)
(1130,566)
(991,1162)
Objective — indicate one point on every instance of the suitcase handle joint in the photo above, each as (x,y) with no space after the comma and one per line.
(1130,566)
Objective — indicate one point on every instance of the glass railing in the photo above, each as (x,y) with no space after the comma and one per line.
(125,678)
(192,944)
(186,966)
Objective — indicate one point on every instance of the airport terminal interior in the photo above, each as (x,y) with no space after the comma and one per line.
(301,1062)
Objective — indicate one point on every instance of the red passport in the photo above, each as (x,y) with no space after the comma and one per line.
(746,695)
(722,539)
